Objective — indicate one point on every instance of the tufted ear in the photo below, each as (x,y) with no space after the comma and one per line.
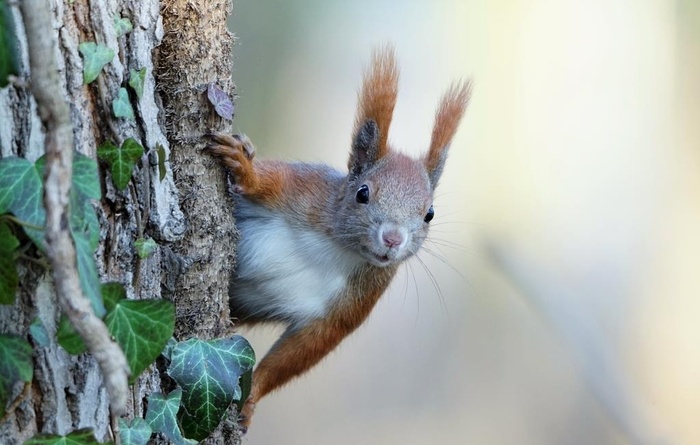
(375,108)
(447,118)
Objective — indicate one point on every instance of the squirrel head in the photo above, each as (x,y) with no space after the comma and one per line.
(387,205)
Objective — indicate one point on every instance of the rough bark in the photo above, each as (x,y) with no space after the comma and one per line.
(192,227)
(184,71)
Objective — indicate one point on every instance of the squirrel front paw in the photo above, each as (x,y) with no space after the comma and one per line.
(236,154)
(246,415)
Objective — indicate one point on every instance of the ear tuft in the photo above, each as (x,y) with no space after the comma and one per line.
(377,98)
(447,118)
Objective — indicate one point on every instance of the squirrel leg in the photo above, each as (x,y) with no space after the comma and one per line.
(294,353)
(264,182)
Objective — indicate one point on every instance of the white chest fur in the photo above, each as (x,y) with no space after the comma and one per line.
(286,271)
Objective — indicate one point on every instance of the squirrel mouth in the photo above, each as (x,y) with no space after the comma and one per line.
(379,260)
(382,258)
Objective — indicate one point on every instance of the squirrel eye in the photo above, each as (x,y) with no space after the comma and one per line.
(362,195)
(429,216)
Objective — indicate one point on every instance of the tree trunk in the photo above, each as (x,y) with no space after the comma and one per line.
(183,46)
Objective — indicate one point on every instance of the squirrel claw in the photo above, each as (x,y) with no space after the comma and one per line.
(236,154)
(245,415)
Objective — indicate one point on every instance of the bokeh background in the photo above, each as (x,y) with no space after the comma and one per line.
(557,302)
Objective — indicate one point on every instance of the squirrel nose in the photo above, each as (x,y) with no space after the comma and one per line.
(392,238)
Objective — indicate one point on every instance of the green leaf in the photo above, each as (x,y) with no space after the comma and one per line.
(78,437)
(95,57)
(84,220)
(162,416)
(122,26)
(8,270)
(245,383)
(85,186)
(68,338)
(9,48)
(134,432)
(113,293)
(168,349)
(38,332)
(121,160)
(15,365)
(86,179)
(121,105)
(85,228)
(145,247)
(21,191)
(137,79)
(141,327)
(87,271)
(208,372)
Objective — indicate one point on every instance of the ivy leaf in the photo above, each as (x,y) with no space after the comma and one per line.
(145,247)
(137,79)
(113,293)
(84,220)
(87,271)
(38,332)
(8,44)
(162,416)
(83,436)
(8,270)
(95,57)
(68,338)
(208,372)
(168,349)
(86,179)
(121,160)
(222,103)
(121,105)
(15,365)
(162,157)
(85,187)
(135,432)
(141,327)
(122,25)
(21,190)
(245,384)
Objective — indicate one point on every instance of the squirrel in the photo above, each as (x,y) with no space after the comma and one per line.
(318,247)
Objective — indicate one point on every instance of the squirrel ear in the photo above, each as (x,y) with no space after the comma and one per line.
(375,107)
(365,147)
(447,118)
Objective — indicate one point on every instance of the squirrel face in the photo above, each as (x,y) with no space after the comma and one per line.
(386,206)
(385,209)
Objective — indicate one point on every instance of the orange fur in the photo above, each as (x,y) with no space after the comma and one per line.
(447,118)
(236,153)
(297,351)
(377,98)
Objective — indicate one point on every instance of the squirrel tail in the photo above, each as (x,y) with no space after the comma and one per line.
(377,98)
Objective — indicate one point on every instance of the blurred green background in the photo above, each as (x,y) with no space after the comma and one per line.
(579,158)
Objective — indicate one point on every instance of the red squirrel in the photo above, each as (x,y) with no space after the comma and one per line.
(318,246)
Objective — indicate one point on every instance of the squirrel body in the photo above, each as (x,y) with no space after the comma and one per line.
(318,246)
(288,270)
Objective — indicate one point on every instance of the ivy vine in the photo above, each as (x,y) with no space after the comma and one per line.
(210,375)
